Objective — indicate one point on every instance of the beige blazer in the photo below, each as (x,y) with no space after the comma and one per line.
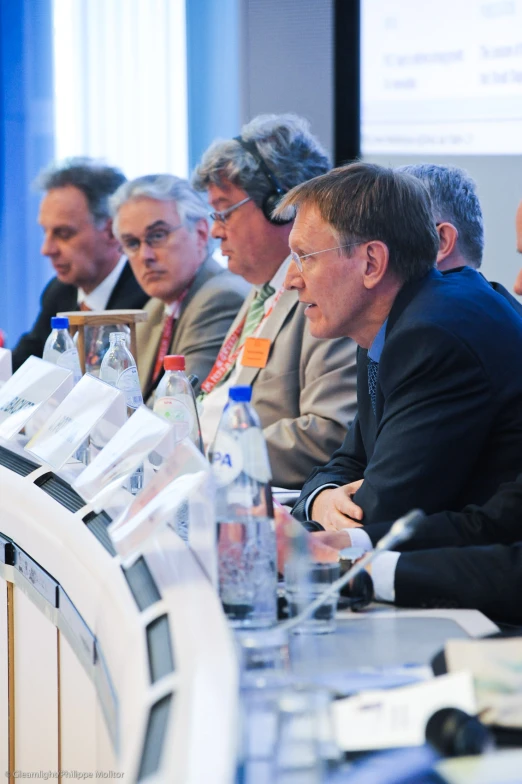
(207,311)
(305,395)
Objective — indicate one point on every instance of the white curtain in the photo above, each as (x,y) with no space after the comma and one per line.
(120,83)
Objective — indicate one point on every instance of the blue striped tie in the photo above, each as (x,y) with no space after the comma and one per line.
(373,370)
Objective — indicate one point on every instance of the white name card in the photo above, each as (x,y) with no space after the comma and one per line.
(183,483)
(90,402)
(393,718)
(34,384)
(143,432)
(6,365)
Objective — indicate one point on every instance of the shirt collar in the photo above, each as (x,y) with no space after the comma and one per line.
(277,281)
(375,350)
(172,309)
(99,297)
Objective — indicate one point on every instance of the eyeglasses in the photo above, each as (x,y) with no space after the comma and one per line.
(157,238)
(221,217)
(298,260)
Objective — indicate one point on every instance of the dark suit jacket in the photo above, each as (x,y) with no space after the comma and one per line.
(58,297)
(487,578)
(448,423)
(498,521)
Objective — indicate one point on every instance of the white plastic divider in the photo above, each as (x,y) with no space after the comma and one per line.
(85,694)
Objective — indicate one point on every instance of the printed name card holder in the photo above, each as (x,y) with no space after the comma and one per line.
(6,365)
(37,386)
(142,433)
(184,478)
(91,404)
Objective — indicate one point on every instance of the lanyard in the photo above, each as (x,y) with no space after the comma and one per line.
(231,349)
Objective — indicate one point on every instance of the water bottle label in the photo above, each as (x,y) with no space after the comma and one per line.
(178,413)
(129,383)
(70,361)
(256,462)
(227,459)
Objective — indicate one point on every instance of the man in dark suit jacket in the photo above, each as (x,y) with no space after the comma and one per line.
(458,217)
(79,242)
(439,419)
(470,559)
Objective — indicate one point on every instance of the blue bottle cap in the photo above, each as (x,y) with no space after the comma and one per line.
(240,394)
(59,322)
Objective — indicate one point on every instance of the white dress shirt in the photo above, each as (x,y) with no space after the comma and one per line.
(212,405)
(99,297)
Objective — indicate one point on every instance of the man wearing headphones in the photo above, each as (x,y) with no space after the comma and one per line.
(304,389)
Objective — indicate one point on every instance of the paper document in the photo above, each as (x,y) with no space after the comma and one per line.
(496,666)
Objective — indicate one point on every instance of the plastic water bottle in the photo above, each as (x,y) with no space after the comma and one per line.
(174,400)
(118,368)
(59,348)
(244,512)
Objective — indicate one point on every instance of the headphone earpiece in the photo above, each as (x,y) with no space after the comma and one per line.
(276,193)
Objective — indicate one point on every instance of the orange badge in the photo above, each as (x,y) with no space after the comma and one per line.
(255,353)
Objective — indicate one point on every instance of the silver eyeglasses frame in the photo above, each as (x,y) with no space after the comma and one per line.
(221,217)
(148,239)
(298,260)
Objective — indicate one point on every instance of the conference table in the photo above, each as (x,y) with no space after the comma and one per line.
(132,673)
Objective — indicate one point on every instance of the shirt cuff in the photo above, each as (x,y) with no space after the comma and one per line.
(360,538)
(383,576)
(311,497)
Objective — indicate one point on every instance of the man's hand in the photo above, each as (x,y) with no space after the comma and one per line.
(335,509)
(336,539)
(319,551)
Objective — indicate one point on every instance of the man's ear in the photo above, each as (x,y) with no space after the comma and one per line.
(377,260)
(107,229)
(201,231)
(448,236)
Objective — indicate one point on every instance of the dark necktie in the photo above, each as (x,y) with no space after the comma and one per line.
(373,370)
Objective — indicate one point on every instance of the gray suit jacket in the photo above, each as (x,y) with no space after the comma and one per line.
(305,396)
(206,313)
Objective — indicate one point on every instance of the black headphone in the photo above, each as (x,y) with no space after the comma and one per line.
(277,191)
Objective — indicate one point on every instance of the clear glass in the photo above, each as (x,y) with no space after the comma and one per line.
(245,526)
(118,368)
(300,593)
(97,341)
(174,399)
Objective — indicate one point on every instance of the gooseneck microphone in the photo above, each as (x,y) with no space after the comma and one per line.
(401,530)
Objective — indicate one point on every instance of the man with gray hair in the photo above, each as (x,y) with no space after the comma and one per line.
(303,389)
(91,274)
(457,214)
(162,225)
(458,218)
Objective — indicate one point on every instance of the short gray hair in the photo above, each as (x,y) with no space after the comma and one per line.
(454,197)
(284,142)
(93,178)
(190,205)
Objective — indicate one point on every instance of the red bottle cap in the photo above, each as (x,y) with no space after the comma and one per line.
(174,362)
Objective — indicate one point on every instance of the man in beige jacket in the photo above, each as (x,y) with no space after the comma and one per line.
(303,388)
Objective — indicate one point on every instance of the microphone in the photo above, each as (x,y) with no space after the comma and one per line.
(454,733)
(401,530)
